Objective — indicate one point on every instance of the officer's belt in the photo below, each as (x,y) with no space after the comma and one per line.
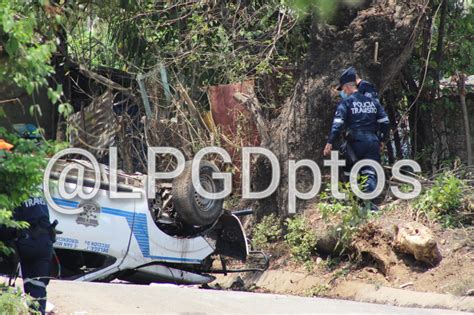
(362,132)
(34,232)
(352,134)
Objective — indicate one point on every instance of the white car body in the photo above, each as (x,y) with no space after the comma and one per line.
(124,234)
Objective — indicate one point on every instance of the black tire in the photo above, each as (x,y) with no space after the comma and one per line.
(192,208)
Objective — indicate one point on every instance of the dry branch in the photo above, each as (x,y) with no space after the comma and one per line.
(103,80)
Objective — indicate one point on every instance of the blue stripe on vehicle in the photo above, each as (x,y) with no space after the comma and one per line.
(139,228)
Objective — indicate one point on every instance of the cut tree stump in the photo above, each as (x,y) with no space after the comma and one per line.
(416,239)
(373,246)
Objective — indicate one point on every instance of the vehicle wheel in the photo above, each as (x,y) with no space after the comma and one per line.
(192,207)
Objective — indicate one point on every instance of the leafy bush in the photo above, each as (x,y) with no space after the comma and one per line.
(21,175)
(12,302)
(349,214)
(29,54)
(441,201)
(301,239)
(266,231)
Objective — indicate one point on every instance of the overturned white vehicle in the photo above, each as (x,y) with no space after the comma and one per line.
(174,237)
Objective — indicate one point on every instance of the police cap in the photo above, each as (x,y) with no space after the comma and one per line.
(349,75)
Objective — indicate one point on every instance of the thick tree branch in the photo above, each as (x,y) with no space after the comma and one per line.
(253,106)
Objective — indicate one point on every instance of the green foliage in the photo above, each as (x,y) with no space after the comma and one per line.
(301,239)
(318,290)
(349,214)
(459,45)
(21,175)
(457,50)
(12,302)
(406,188)
(28,34)
(28,42)
(442,201)
(326,9)
(203,43)
(268,230)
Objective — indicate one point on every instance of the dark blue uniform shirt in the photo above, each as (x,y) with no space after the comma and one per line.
(359,113)
(33,210)
(368,89)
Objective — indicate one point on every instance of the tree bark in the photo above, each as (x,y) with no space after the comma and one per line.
(465,114)
(421,127)
(300,131)
(440,150)
(440,46)
(391,101)
(60,62)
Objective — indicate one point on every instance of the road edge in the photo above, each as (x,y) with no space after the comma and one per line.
(364,292)
(273,281)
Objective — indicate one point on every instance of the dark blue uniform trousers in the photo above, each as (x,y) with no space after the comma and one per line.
(366,145)
(35,260)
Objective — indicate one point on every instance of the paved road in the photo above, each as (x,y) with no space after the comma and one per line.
(92,298)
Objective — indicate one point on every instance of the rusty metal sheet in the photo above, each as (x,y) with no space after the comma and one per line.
(233,120)
(230,115)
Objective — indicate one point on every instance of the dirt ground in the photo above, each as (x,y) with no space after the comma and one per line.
(453,275)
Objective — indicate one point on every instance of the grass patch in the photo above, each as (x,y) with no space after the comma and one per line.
(301,240)
(349,215)
(267,231)
(443,200)
(13,302)
(318,290)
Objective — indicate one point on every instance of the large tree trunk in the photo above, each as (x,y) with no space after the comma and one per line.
(440,149)
(300,131)
(420,99)
(465,115)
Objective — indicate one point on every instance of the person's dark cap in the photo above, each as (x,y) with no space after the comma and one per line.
(349,75)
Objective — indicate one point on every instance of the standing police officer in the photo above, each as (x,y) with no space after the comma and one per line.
(34,246)
(366,122)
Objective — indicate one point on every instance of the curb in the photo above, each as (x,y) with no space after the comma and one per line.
(287,282)
(363,292)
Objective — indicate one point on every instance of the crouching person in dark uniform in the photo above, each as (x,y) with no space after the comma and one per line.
(34,245)
(366,125)
(35,248)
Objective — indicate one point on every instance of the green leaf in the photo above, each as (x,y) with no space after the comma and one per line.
(61,108)
(12,46)
(35,108)
(29,86)
(8,23)
(65,109)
